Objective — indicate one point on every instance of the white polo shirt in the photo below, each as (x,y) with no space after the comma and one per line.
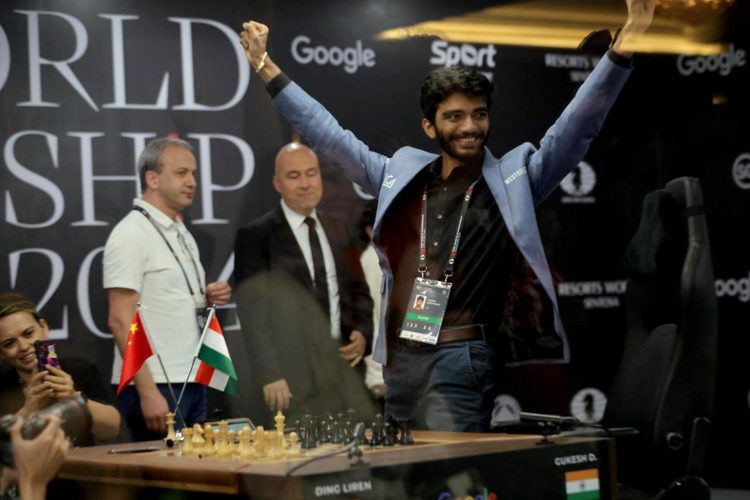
(137,258)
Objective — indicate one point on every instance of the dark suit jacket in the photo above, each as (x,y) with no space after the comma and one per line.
(285,331)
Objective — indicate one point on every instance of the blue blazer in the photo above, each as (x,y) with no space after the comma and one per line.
(518,180)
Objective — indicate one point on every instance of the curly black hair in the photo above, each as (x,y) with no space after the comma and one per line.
(442,82)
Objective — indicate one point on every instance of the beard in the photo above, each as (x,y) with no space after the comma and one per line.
(447,145)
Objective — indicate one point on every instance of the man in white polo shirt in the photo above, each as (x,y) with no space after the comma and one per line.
(151,257)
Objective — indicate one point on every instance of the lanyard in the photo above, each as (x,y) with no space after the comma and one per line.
(422,263)
(174,254)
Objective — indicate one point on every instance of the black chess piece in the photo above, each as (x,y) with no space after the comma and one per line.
(406,437)
(347,434)
(308,436)
(351,418)
(380,429)
(326,428)
(338,429)
(324,434)
(394,428)
(388,436)
(375,436)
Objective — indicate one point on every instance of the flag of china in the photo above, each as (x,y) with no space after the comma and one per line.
(137,351)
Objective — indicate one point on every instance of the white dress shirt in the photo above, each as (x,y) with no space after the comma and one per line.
(302,235)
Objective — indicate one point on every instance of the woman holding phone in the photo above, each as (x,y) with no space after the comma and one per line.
(26,387)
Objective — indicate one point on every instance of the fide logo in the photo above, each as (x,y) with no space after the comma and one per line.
(741,171)
(588,405)
(578,184)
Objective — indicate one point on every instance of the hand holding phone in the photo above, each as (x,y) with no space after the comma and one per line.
(45,354)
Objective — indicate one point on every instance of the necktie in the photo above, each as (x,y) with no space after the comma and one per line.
(321,279)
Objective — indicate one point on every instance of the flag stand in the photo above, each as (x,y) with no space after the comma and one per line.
(177,411)
(211,313)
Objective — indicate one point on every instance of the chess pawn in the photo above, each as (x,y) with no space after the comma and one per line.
(208,436)
(223,426)
(187,441)
(259,438)
(245,447)
(231,445)
(222,450)
(293,450)
(171,434)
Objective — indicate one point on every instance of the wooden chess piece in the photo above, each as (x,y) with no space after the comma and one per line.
(245,448)
(187,441)
(231,442)
(279,420)
(377,431)
(274,445)
(171,434)
(308,433)
(325,427)
(388,438)
(222,446)
(339,432)
(208,437)
(259,438)
(351,417)
(198,440)
(293,450)
(405,438)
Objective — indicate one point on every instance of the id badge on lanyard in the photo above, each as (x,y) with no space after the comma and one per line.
(428,300)
(424,316)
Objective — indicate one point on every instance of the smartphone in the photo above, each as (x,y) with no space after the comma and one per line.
(45,354)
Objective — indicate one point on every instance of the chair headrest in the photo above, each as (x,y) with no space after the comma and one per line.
(657,249)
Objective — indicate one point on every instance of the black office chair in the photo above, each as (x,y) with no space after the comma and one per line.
(665,384)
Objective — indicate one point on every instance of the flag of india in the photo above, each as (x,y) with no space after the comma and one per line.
(582,484)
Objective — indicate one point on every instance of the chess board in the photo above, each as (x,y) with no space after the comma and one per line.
(504,465)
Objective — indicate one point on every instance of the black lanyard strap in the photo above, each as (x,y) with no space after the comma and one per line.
(422,261)
(174,254)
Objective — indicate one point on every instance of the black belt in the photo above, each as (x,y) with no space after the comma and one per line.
(455,334)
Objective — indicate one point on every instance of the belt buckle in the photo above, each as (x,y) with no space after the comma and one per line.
(411,343)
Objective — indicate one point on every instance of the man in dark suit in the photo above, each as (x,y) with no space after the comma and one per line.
(303,302)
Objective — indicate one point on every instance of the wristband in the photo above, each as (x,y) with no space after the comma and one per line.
(262,62)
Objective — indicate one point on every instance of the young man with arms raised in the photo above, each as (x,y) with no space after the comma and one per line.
(422,197)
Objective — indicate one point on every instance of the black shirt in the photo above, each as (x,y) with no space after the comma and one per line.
(486,254)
